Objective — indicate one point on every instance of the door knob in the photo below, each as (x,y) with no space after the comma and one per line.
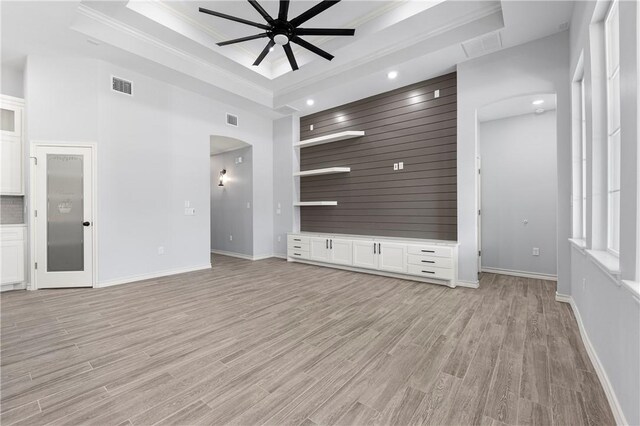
(86,223)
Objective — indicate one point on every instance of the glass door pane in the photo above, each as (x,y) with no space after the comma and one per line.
(65,232)
(7,120)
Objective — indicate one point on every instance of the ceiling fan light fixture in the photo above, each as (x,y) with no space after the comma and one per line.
(280,39)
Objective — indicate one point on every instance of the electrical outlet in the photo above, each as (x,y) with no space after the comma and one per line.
(230,237)
(310,127)
(279,238)
(401,165)
(187,204)
(190,211)
(395,166)
(536,251)
(160,250)
(436,94)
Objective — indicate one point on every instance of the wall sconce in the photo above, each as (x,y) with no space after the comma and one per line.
(223,172)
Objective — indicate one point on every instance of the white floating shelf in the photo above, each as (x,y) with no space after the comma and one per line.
(327,171)
(335,137)
(315,203)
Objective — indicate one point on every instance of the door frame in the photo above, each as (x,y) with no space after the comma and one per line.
(33,284)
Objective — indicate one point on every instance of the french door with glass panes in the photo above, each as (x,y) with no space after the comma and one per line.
(64,228)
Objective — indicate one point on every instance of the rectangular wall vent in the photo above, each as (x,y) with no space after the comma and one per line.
(121,85)
(483,44)
(232,120)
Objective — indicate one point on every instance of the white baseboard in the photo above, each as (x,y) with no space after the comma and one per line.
(280,256)
(242,255)
(618,414)
(522,274)
(470,284)
(141,277)
(16,286)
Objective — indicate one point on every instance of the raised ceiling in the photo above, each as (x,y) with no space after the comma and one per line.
(171,40)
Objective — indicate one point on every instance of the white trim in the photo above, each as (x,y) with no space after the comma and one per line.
(280,256)
(607,262)
(469,284)
(314,203)
(522,274)
(616,409)
(242,255)
(33,285)
(14,286)
(142,277)
(326,171)
(633,287)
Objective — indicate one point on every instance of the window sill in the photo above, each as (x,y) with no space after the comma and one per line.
(578,243)
(632,287)
(606,261)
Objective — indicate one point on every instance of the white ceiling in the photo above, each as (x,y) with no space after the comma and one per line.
(172,41)
(519,105)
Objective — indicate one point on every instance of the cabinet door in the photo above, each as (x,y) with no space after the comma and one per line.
(393,257)
(10,119)
(319,249)
(11,157)
(341,251)
(12,258)
(365,254)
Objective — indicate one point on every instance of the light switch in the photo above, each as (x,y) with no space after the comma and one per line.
(311,127)
(248,205)
(395,166)
(401,165)
(536,251)
(187,204)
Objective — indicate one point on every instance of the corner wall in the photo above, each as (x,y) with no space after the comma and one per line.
(541,66)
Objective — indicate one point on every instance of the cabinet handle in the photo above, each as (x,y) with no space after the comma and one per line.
(297,239)
(428,261)
(374,248)
(331,244)
(326,243)
(428,251)
(379,249)
(428,272)
(301,247)
(298,254)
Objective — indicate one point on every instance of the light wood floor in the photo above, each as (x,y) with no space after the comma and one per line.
(273,343)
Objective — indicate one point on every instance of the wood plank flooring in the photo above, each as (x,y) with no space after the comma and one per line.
(273,343)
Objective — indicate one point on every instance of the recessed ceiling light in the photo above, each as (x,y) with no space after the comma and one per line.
(392,74)
(310,102)
(538,102)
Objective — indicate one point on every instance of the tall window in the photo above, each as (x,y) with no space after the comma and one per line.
(612,46)
(583,162)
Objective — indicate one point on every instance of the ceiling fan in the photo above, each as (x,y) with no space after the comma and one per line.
(282,31)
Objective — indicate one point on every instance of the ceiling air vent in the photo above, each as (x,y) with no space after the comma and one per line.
(121,85)
(232,120)
(481,45)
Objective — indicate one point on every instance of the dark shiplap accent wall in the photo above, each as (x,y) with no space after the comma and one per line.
(406,124)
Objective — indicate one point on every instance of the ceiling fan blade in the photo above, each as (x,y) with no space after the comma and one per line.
(261,11)
(297,40)
(290,57)
(264,52)
(284,10)
(238,40)
(233,18)
(315,10)
(325,31)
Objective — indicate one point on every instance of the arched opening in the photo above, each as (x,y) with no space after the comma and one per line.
(517,186)
(231,197)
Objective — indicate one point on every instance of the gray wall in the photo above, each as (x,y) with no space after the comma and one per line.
(283,190)
(12,82)
(541,66)
(405,125)
(231,212)
(519,182)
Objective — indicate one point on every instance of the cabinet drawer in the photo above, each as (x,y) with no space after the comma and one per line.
(297,239)
(438,262)
(430,271)
(297,245)
(301,254)
(12,234)
(436,251)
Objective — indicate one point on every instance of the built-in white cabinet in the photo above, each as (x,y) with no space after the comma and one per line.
(429,261)
(11,146)
(12,249)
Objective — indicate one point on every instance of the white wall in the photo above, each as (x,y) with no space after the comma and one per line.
(12,82)
(153,155)
(609,309)
(284,131)
(519,182)
(541,66)
(231,213)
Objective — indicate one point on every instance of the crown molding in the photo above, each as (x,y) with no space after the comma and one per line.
(133,32)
